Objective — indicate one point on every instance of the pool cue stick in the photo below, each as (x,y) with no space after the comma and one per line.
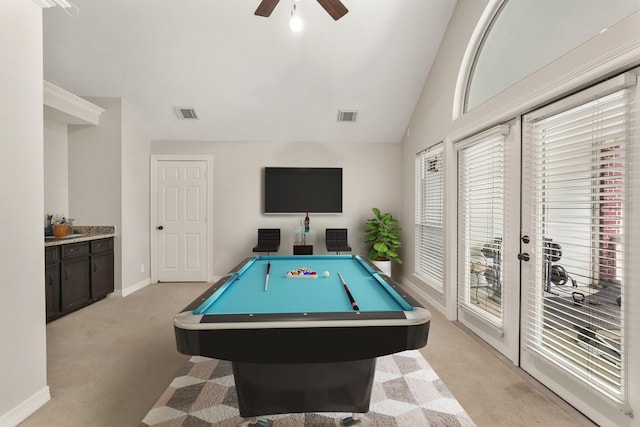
(346,289)
(266,281)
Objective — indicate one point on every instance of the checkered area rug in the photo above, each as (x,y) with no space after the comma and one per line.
(406,393)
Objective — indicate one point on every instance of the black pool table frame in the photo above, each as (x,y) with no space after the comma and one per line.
(302,362)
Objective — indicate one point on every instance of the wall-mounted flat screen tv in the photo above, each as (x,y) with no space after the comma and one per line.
(298,190)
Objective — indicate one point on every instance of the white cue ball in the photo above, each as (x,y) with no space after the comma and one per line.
(325,274)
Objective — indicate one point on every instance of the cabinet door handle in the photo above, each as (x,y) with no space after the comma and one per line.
(50,279)
(95,266)
(66,274)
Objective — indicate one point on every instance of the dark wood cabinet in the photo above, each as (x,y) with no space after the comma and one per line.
(52,282)
(303,249)
(77,274)
(101,268)
(74,276)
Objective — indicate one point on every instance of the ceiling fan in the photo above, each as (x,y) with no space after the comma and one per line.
(335,8)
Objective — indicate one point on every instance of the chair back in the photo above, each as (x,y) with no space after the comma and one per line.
(336,240)
(269,235)
(268,240)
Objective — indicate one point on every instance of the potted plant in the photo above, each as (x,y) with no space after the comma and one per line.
(383,233)
(60,227)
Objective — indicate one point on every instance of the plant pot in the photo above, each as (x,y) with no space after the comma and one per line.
(384,265)
(60,230)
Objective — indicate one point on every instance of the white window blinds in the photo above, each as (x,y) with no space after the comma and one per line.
(429,262)
(578,159)
(481,169)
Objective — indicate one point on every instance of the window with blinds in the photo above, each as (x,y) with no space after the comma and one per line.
(429,226)
(579,166)
(481,196)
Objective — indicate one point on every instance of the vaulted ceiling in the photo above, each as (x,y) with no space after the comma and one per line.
(250,78)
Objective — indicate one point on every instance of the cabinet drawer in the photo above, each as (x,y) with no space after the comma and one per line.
(101,245)
(74,250)
(51,254)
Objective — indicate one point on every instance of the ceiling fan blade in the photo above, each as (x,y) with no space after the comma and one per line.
(266,7)
(335,8)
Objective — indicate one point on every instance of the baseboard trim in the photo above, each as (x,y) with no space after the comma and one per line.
(21,412)
(135,287)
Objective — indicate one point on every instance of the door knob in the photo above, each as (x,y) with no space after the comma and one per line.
(523,257)
(160,227)
(525,239)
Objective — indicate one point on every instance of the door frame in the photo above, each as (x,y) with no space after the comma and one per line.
(155,160)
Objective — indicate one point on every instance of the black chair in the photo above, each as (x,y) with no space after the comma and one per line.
(336,239)
(268,240)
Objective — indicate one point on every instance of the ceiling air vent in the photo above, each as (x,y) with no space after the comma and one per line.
(347,116)
(186,112)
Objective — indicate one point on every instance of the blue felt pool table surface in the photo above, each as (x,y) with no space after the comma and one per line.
(302,320)
(244,291)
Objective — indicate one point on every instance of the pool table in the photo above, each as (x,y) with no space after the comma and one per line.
(305,343)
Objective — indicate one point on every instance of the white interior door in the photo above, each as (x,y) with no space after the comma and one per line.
(181,220)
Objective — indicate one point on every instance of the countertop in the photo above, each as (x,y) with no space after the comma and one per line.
(81,234)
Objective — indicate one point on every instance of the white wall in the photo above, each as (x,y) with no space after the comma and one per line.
(23,386)
(109,185)
(431,121)
(136,150)
(94,168)
(371,178)
(56,168)
(95,174)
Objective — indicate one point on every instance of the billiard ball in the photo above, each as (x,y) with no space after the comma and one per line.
(325,274)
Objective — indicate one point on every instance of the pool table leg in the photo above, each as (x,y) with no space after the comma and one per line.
(355,420)
(254,422)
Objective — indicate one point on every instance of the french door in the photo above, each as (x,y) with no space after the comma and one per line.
(488,230)
(578,240)
(548,241)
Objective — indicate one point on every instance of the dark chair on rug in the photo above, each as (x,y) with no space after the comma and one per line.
(336,240)
(268,240)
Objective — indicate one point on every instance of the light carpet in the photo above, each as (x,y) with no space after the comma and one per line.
(406,393)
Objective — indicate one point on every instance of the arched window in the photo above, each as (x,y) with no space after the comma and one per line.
(522,36)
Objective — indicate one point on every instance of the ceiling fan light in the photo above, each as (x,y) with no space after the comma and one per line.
(295,24)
